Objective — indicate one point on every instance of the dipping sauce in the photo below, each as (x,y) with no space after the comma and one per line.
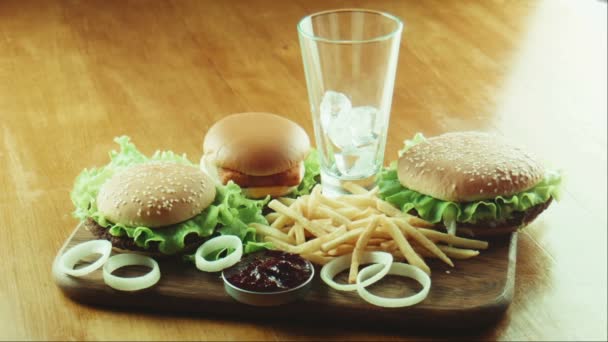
(269,271)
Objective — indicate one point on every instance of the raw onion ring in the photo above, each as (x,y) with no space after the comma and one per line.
(397,268)
(339,264)
(81,251)
(135,283)
(220,242)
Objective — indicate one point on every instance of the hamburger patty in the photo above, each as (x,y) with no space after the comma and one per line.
(290,177)
(517,219)
(124,242)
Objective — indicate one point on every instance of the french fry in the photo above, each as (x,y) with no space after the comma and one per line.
(453,240)
(284,230)
(308,235)
(354,188)
(334,203)
(359,201)
(286,200)
(360,248)
(452,252)
(336,217)
(325,224)
(397,255)
(314,245)
(318,259)
(381,233)
(391,211)
(348,212)
(291,233)
(365,214)
(372,248)
(388,209)
(422,240)
(313,199)
(404,246)
(418,222)
(300,207)
(458,253)
(272,217)
(388,245)
(296,205)
(299,234)
(341,250)
(281,221)
(310,226)
(281,245)
(322,221)
(423,252)
(360,223)
(269,231)
(375,241)
(342,239)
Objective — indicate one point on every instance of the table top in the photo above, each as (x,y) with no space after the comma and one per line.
(75,74)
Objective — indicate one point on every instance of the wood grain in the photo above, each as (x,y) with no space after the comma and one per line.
(473,294)
(74,74)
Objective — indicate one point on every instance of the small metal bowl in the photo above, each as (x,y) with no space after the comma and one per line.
(269,298)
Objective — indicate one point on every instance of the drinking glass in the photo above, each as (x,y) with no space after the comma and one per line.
(350,59)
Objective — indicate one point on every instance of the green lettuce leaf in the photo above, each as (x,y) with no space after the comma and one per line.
(435,210)
(407,144)
(312,171)
(230,212)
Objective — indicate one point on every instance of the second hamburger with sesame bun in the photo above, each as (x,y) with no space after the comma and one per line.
(263,153)
(472,182)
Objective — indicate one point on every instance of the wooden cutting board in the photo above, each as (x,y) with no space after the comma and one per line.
(474,293)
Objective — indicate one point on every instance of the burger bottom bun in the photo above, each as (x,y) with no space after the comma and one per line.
(273,191)
(519,220)
(124,244)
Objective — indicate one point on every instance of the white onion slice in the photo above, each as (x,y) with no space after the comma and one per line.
(84,251)
(397,268)
(220,242)
(339,264)
(135,283)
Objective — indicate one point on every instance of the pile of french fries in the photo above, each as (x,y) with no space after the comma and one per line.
(320,228)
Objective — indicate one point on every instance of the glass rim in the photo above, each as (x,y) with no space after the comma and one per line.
(379,38)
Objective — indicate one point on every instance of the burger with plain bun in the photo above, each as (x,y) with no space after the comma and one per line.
(473,182)
(264,153)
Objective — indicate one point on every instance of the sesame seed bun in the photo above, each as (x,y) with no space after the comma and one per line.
(468,166)
(155,195)
(256,144)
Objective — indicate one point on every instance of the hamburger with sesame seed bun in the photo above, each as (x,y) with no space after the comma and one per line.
(161,205)
(471,182)
(263,153)
(153,195)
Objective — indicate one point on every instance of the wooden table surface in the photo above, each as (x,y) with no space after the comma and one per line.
(74,74)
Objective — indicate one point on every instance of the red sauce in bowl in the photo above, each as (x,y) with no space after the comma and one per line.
(269,271)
